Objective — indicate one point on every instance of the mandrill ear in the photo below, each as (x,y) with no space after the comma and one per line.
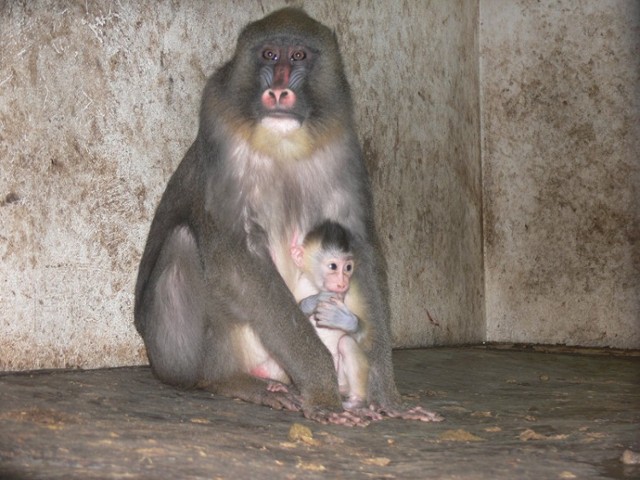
(297,253)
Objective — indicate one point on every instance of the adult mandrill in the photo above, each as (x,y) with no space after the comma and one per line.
(275,154)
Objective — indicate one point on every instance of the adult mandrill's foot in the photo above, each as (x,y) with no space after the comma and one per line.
(328,417)
(274,386)
(365,413)
(408,413)
(281,400)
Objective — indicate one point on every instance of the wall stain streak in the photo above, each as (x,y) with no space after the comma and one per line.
(561,143)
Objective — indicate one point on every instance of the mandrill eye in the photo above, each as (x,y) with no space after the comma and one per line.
(298,55)
(269,54)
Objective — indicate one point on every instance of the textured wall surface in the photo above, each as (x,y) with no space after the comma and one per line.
(419,118)
(561,157)
(99,101)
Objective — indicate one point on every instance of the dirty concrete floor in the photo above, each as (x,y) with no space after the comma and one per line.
(509,415)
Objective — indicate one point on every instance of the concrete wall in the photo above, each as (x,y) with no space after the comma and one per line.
(99,101)
(418,110)
(561,171)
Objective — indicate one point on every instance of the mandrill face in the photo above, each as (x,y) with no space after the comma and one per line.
(287,71)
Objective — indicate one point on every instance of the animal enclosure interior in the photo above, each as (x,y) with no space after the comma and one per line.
(502,140)
(502,144)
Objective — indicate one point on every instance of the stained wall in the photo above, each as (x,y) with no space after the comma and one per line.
(99,101)
(561,171)
(420,123)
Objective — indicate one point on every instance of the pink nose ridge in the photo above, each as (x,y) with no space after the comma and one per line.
(273,98)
